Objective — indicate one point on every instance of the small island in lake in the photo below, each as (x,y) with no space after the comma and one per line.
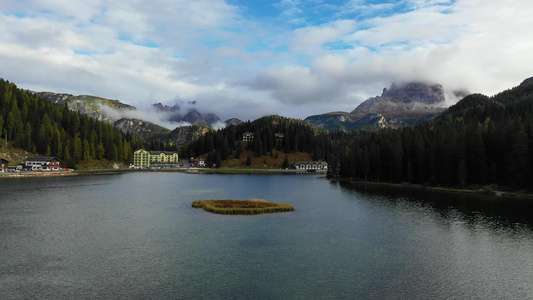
(241,207)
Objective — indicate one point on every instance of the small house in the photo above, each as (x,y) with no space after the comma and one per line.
(197,162)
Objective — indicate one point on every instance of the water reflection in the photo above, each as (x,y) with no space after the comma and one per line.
(471,209)
(136,236)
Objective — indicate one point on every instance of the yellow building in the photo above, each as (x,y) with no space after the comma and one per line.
(144,158)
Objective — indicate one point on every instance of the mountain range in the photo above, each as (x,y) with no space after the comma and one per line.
(129,119)
(398,106)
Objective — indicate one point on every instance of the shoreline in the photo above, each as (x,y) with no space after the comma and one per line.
(37,174)
(202,171)
(472,191)
(181,170)
(248,171)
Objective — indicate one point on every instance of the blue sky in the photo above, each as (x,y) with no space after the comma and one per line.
(246,58)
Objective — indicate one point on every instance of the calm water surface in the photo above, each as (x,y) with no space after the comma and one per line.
(136,236)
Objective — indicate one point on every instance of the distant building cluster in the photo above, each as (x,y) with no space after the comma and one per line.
(41,163)
(32,163)
(248,136)
(310,165)
(146,158)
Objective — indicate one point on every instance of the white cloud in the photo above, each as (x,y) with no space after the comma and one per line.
(238,66)
(413,28)
(310,39)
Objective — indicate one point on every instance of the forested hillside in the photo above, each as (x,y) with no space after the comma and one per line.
(41,127)
(480,140)
(271,132)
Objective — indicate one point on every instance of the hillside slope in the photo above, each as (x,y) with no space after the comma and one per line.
(266,138)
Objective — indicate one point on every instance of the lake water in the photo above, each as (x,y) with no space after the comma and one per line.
(136,236)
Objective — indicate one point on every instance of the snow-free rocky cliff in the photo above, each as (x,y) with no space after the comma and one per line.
(400,105)
(123,115)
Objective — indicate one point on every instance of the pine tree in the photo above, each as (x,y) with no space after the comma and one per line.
(218,160)
(462,173)
(86,150)
(28,144)
(285,164)
(518,167)
(238,151)
(77,152)
(100,151)
(66,157)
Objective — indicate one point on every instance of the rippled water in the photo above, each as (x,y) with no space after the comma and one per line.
(136,236)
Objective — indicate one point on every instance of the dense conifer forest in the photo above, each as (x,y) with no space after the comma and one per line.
(40,127)
(481,140)
(270,132)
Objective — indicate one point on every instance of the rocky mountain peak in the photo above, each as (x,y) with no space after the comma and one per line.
(232,121)
(192,115)
(399,105)
(161,107)
(412,97)
(415,92)
(141,128)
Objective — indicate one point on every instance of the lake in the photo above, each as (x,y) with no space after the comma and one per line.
(136,236)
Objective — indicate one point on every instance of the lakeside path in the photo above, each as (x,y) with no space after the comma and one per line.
(248,171)
(204,171)
(25,174)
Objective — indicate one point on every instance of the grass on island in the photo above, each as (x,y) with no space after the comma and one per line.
(241,207)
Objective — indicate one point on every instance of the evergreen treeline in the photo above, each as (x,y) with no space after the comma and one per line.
(39,126)
(480,140)
(296,136)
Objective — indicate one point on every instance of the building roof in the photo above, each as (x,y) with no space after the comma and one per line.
(156,152)
(41,158)
(310,162)
(3,160)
